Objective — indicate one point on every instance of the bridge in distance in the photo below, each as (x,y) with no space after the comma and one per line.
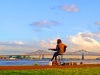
(81,54)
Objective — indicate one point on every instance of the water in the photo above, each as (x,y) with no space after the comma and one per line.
(41,62)
(21,62)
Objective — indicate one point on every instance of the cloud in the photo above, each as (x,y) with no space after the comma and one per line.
(15,43)
(19,43)
(18,47)
(84,40)
(43,25)
(86,34)
(50,43)
(96,34)
(69,8)
(66,7)
(98,23)
(16,50)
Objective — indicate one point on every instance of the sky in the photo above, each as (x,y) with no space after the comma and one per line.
(30,25)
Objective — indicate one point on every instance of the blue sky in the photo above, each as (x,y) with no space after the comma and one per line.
(30,25)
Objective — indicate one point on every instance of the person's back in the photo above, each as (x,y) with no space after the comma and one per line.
(61,47)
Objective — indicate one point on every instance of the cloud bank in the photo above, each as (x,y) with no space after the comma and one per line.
(85,40)
(82,40)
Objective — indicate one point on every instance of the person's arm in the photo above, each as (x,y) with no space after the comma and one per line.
(54,48)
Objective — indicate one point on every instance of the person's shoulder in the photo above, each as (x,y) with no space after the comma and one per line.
(63,44)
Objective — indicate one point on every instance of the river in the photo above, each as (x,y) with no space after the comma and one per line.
(41,62)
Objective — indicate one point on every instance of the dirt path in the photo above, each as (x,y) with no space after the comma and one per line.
(44,67)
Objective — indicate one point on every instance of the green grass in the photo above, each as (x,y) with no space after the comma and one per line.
(68,71)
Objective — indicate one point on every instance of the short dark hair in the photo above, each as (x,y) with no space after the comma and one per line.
(59,41)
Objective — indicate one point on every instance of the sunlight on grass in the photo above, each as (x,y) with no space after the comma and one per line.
(68,71)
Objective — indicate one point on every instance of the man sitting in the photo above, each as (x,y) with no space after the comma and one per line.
(60,49)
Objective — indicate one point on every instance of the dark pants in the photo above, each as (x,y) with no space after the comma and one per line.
(55,55)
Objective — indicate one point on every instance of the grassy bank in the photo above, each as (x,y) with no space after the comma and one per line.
(69,71)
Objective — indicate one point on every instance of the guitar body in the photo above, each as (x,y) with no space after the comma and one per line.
(64,49)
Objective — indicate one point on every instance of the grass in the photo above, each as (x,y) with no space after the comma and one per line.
(68,71)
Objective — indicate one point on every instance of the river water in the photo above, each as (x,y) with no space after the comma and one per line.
(41,62)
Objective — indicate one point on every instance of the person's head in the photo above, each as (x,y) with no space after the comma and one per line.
(59,41)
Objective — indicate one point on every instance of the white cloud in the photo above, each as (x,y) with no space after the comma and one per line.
(51,43)
(96,34)
(70,8)
(15,43)
(86,34)
(17,46)
(45,23)
(41,25)
(19,42)
(84,40)
(16,50)
(98,23)
(66,7)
